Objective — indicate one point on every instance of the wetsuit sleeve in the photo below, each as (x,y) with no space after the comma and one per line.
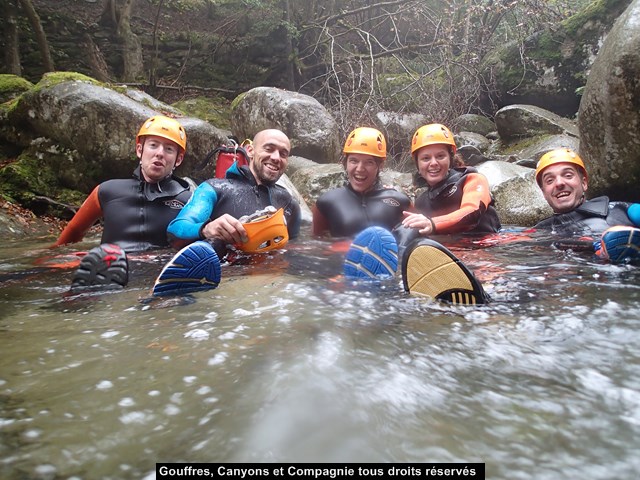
(319,223)
(192,217)
(633,212)
(83,220)
(476,198)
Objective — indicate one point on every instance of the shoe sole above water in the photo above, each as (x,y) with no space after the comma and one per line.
(621,243)
(102,268)
(195,268)
(430,269)
(373,255)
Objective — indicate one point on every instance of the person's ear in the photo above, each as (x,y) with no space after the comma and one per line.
(139,150)
(179,159)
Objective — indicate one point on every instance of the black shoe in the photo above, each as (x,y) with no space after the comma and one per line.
(429,269)
(103,268)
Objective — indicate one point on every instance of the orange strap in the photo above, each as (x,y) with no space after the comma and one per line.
(476,197)
(82,221)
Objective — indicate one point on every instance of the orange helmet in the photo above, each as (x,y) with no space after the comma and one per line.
(267,231)
(559,155)
(432,134)
(164,127)
(367,141)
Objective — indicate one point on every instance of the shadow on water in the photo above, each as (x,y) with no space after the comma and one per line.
(287,362)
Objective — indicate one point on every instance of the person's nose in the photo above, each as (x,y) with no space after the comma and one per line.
(275,156)
(559,182)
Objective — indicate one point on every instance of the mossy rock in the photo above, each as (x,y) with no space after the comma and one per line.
(39,184)
(216,111)
(12,86)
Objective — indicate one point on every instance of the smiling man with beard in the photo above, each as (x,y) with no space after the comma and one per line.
(214,211)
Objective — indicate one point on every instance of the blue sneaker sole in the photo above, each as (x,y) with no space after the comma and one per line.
(195,268)
(373,255)
(622,244)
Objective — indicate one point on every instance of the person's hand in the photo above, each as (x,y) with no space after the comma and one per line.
(226,228)
(419,221)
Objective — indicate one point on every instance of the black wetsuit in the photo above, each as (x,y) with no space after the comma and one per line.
(345,212)
(237,194)
(592,217)
(135,213)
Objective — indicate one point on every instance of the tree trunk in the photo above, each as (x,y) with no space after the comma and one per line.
(95,59)
(12,52)
(291,82)
(41,38)
(117,13)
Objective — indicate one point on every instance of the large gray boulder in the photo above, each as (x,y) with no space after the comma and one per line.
(312,130)
(609,116)
(96,127)
(519,201)
(471,122)
(518,121)
(398,129)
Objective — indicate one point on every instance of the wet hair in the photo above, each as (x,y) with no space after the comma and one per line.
(457,160)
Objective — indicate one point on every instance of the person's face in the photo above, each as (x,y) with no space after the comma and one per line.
(433,163)
(158,157)
(362,171)
(563,187)
(269,155)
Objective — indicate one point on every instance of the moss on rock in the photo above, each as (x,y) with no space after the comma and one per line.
(12,86)
(213,110)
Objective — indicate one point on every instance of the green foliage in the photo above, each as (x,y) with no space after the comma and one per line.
(213,110)
(26,178)
(13,83)
(54,78)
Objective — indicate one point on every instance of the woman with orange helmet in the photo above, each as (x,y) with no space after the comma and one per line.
(457,198)
(135,211)
(562,177)
(362,201)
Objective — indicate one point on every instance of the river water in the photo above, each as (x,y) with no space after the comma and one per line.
(288,362)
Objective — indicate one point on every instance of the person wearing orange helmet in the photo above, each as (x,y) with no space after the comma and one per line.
(362,201)
(366,208)
(562,177)
(135,211)
(247,210)
(457,198)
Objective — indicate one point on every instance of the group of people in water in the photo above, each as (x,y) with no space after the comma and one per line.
(248,210)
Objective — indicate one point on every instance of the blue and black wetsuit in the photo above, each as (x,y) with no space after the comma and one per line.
(237,194)
(343,212)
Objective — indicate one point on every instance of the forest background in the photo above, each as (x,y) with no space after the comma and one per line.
(357,57)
